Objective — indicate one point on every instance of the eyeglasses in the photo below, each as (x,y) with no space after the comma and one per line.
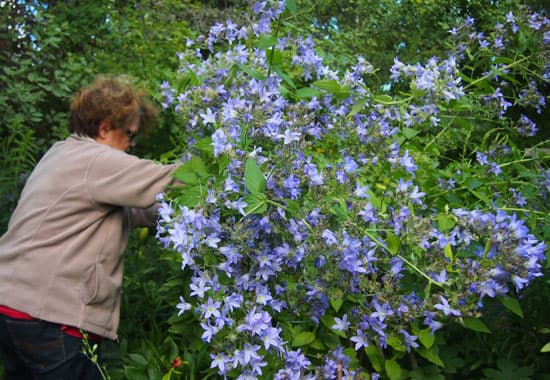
(130,135)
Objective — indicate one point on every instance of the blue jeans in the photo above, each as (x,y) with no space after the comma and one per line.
(39,350)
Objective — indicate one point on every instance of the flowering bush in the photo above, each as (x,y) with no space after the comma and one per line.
(330,228)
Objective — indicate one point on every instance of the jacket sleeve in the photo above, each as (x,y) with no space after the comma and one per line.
(143,217)
(117,178)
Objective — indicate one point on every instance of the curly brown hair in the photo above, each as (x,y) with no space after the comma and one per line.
(112,99)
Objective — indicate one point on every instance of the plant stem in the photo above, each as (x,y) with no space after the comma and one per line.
(491,74)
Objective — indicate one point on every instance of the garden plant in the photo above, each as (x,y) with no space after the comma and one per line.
(329,227)
(338,220)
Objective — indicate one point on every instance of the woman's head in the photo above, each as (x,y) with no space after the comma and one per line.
(112,102)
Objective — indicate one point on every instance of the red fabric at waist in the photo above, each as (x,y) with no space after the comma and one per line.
(69,330)
(15,314)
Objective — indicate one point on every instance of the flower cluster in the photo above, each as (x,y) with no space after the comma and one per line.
(315,226)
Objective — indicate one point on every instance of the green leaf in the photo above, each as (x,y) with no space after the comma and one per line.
(476,324)
(426,337)
(205,145)
(511,304)
(333,87)
(317,344)
(393,369)
(396,343)
(267,41)
(303,339)
(187,177)
(191,196)
(192,171)
(473,183)
(273,56)
(409,133)
(358,106)
(291,6)
(375,357)
(138,358)
(429,372)
(546,348)
(306,93)
(393,243)
(136,373)
(431,354)
(449,252)
(168,375)
(253,177)
(253,73)
(329,85)
(336,298)
(284,76)
(256,203)
(383,99)
(445,222)
(231,76)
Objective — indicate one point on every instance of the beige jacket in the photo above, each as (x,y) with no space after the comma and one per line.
(61,259)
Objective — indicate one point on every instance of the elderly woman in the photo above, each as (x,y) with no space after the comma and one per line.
(61,259)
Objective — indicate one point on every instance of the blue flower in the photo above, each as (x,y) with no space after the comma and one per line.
(360,340)
(341,325)
(409,340)
(446,308)
(183,306)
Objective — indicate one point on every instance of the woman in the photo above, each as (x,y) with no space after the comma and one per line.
(61,259)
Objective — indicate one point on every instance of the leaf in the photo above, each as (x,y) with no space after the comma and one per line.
(383,99)
(291,6)
(409,133)
(306,93)
(256,203)
(396,343)
(333,87)
(375,357)
(429,372)
(191,196)
(303,339)
(231,76)
(358,106)
(192,171)
(511,304)
(253,73)
(284,76)
(168,375)
(393,243)
(253,177)
(426,337)
(138,358)
(393,369)
(135,373)
(476,324)
(431,354)
(205,145)
(445,222)
(187,177)
(545,348)
(274,57)
(336,298)
(267,41)
(449,252)
(473,183)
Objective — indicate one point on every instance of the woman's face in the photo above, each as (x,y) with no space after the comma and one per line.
(120,138)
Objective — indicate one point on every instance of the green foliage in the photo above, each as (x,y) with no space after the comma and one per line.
(444,151)
(38,77)
(19,150)
(41,68)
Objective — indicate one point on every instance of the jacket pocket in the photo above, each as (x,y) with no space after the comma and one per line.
(98,287)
